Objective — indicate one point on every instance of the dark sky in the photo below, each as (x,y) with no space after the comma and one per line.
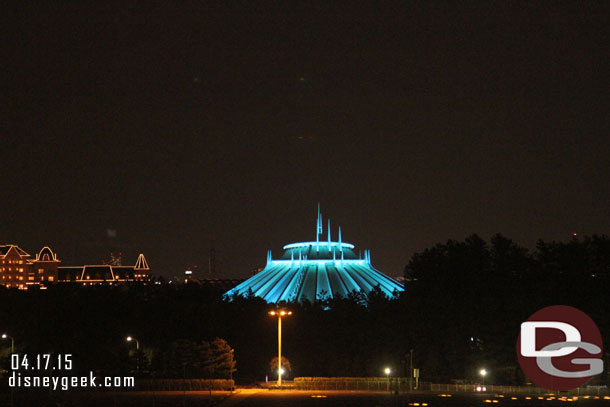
(181,124)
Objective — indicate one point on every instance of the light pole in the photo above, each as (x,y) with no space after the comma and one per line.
(411,371)
(279,313)
(608,371)
(130,339)
(5,336)
(387,371)
(483,373)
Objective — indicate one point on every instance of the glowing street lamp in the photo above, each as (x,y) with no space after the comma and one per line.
(387,372)
(5,336)
(279,313)
(483,373)
(130,339)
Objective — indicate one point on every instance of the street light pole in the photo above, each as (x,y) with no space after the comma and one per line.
(483,373)
(4,336)
(129,339)
(279,351)
(387,373)
(411,371)
(279,314)
(608,371)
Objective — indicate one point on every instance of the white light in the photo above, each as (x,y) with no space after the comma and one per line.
(281,371)
(4,336)
(483,372)
(129,339)
(387,370)
(321,244)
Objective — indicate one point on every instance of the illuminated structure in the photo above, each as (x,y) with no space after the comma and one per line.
(19,269)
(315,271)
(105,273)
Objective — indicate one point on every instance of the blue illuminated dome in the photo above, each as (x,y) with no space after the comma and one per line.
(316,270)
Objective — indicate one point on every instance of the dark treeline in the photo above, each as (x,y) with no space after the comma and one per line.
(461,310)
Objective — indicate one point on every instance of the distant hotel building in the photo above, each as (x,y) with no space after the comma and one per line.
(18,269)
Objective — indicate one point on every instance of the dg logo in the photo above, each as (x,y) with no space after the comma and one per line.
(560,348)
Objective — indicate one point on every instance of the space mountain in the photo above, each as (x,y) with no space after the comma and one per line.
(315,271)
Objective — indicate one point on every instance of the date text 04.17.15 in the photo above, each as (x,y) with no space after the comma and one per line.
(43,361)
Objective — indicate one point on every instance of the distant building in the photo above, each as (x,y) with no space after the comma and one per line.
(105,273)
(316,270)
(19,269)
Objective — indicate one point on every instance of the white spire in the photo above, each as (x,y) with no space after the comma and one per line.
(319,223)
(329,235)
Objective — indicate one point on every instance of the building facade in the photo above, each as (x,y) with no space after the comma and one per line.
(19,270)
(316,270)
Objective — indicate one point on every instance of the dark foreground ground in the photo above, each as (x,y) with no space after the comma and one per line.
(286,398)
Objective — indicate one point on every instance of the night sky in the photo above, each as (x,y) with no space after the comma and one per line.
(411,124)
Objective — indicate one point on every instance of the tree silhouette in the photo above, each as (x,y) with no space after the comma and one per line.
(286,366)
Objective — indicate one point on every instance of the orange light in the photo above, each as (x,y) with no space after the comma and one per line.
(280,313)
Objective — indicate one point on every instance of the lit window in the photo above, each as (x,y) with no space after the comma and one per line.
(20,277)
(31,278)
(51,278)
(40,271)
